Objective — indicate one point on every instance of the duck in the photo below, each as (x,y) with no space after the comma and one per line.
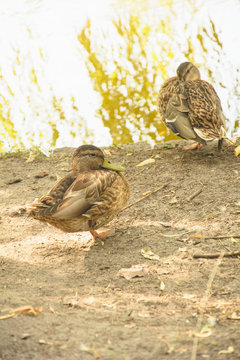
(89,197)
(191,108)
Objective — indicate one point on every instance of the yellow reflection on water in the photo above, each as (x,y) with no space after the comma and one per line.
(75,73)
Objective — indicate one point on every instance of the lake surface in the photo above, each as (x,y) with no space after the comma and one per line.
(89,72)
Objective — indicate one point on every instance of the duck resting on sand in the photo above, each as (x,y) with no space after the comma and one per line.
(191,108)
(87,198)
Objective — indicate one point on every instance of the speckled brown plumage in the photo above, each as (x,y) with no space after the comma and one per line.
(165,94)
(86,199)
(190,107)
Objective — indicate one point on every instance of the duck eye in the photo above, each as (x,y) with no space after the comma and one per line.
(93,155)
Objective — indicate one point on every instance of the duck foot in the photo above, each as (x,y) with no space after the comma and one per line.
(102,234)
(193,146)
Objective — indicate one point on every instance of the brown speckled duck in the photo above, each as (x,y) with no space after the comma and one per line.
(191,108)
(86,199)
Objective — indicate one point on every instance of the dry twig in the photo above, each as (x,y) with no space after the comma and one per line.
(222,237)
(204,302)
(133,176)
(145,196)
(176,235)
(196,193)
(214,256)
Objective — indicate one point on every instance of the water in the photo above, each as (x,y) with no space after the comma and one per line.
(67,81)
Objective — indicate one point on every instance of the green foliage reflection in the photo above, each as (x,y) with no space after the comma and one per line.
(127,81)
(127,63)
(31,115)
(146,50)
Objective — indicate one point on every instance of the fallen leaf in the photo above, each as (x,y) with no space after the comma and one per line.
(148,254)
(7,316)
(28,309)
(229,350)
(146,162)
(134,271)
(237,150)
(41,174)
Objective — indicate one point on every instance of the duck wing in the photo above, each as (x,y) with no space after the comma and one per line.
(177,115)
(205,110)
(47,204)
(194,112)
(166,92)
(86,191)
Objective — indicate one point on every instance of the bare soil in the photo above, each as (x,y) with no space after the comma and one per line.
(177,305)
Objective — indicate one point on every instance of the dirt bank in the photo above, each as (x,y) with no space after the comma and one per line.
(88,310)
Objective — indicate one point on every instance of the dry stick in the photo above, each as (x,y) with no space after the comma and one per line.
(214,256)
(133,176)
(203,304)
(144,197)
(194,195)
(222,237)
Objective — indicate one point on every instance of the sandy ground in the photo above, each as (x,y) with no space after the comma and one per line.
(80,304)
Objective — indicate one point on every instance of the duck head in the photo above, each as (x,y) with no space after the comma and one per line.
(188,72)
(90,157)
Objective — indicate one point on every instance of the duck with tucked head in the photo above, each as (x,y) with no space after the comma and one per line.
(87,198)
(191,108)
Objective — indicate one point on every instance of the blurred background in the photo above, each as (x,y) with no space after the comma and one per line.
(77,71)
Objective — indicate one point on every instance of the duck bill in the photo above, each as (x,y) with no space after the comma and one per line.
(107,164)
